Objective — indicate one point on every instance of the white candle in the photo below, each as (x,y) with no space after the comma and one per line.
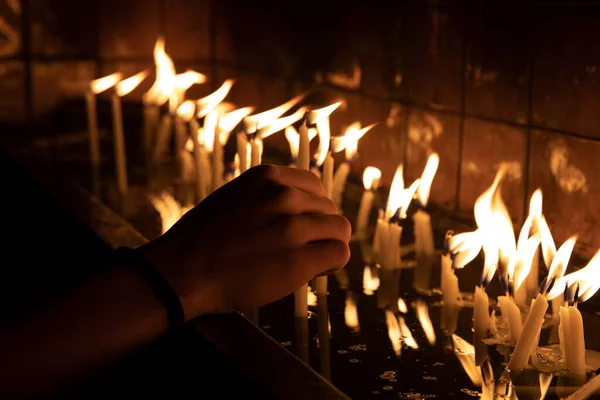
(92,114)
(587,390)
(575,341)
(327,179)
(303,162)
(241,142)
(511,316)
(217,168)
(119,144)
(339,184)
(371,177)
(531,329)
(424,249)
(181,135)
(481,317)
(449,283)
(256,156)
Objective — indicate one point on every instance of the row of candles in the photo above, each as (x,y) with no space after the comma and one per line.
(202,127)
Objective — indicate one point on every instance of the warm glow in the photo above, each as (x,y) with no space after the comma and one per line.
(536,223)
(464,247)
(208,103)
(349,140)
(406,335)
(101,84)
(169,209)
(186,110)
(320,114)
(351,313)
(394,197)
(495,226)
(427,178)
(422,312)
(311,298)
(293,138)
(207,138)
(465,352)
(164,85)
(264,118)
(281,123)
(394,332)
(520,264)
(321,118)
(370,280)
(402,305)
(371,177)
(228,121)
(126,86)
(559,265)
(581,284)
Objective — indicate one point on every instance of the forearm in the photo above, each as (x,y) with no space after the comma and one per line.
(107,318)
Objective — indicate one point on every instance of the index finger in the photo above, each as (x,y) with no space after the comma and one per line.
(294,177)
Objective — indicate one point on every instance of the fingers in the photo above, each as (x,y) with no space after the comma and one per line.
(302,180)
(289,200)
(298,230)
(319,258)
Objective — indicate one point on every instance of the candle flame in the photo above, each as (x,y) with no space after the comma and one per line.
(536,223)
(465,352)
(464,247)
(186,110)
(102,84)
(225,106)
(520,264)
(494,223)
(264,118)
(370,280)
(281,123)
(207,138)
(427,178)
(422,312)
(394,332)
(208,103)
(349,141)
(321,114)
(169,209)
(321,118)
(293,138)
(582,284)
(371,178)
(406,335)
(402,307)
(228,121)
(351,313)
(559,264)
(126,86)
(181,83)
(164,84)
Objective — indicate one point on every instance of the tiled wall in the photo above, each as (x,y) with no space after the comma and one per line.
(512,82)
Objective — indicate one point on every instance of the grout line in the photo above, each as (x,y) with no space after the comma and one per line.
(26,57)
(461,127)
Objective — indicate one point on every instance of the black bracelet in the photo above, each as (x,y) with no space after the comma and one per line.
(157,283)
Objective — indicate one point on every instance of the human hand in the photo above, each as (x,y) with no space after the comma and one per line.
(252,241)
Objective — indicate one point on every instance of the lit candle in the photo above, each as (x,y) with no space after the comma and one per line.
(303,162)
(351,313)
(424,244)
(580,286)
(121,89)
(533,324)
(97,86)
(327,179)
(349,142)
(183,125)
(371,177)
(293,138)
(241,142)
(386,242)
(211,131)
(257,148)
(511,316)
